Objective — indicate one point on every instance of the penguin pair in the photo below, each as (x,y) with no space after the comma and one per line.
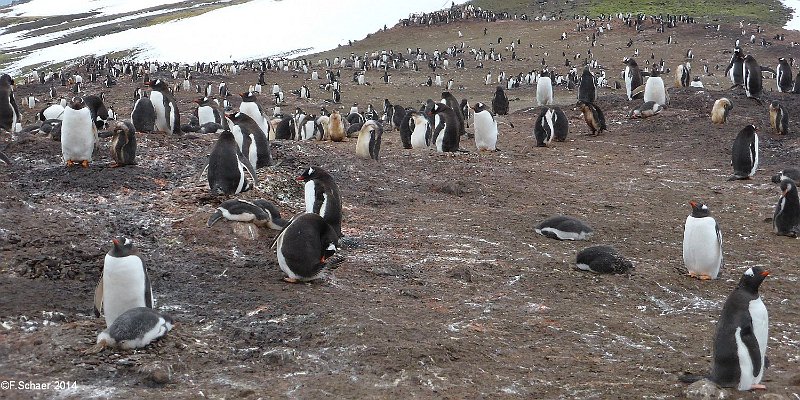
(720,111)
(552,124)
(500,102)
(744,155)
(123,144)
(778,118)
(445,133)
(594,117)
(368,144)
(168,119)
(228,167)
(485,128)
(563,227)
(702,243)
(260,212)
(740,340)
(78,134)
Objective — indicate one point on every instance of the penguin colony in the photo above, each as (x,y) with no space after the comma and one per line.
(306,243)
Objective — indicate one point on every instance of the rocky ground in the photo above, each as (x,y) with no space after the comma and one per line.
(449,293)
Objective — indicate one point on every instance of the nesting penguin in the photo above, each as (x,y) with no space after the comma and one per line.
(563,227)
(228,167)
(123,143)
(124,283)
(78,134)
(654,90)
(544,89)
(420,137)
(593,116)
(485,128)
(168,119)
(744,155)
(9,112)
(260,212)
(368,144)
(446,136)
(702,243)
(322,196)
(206,112)
(602,260)
(791,173)
(786,218)
(784,76)
(720,111)
(304,247)
(633,77)
(552,124)
(778,118)
(587,90)
(500,102)
(135,329)
(646,110)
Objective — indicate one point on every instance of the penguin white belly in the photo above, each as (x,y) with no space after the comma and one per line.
(654,90)
(242,179)
(54,112)
(205,114)
(252,153)
(251,109)
(77,135)
(754,156)
(485,131)
(544,91)
(362,145)
(418,140)
(760,321)
(702,252)
(440,137)
(309,130)
(123,286)
(161,114)
(310,196)
(241,217)
(628,82)
(282,260)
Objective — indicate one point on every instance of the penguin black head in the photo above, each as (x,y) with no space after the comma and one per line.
(478,107)
(750,129)
(76,103)
(310,174)
(203,101)
(157,84)
(123,247)
(248,96)
(787,185)
(752,278)
(5,80)
(774,105)
(699,210)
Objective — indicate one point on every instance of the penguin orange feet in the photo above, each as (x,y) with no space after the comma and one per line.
(692,274)
(704,277)
(85,163)
(758,387)
(291,280)
(96,348)
(115,165)
(70,163)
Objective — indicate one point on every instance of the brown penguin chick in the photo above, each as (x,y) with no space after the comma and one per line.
(123,144)
(778,118)
(336,127)
(719,113)
(593,116)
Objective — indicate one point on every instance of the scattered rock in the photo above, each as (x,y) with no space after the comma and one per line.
(245,231)
(461,273)
(704,389)
(454,188)
(773,396)
(795,380)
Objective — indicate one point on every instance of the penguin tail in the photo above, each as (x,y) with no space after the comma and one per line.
(688,378)
(734,178)
(214,218)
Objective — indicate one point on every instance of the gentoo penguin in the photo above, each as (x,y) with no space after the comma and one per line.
(248,127)
(97,109)
(602,260)
(753,82)
(304,247)
(744,155)
(227,166)
(552,124)
(796,87)
(9,112)
(791,173)
(500,102)
(322,196)
(735,69)
(778,118)
(450,100)
(445,135)
(632,75)
(168,119)
(260,212)
(53,111)
(784,75)
(654,89)
(646,110)
(406,127)
(593,116)
(702,243)
(740,342)
(368,144)
(466,110)
(251,108)
(421,136)
(124,283)
(123,143)
(78,134)
(682,75)
(283,128)
(786,219)
(564,227)
(587,90)
(336,129)
(719,113)
(135,329)
(206,112)
(544,89)
(143,115)
(485,128)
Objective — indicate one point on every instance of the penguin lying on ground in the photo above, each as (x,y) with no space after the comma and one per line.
(260,212)
(593,116)
(564,227)
(304,247)
(778,118)
(646,110)
(740,341)
(791,173)
(786,218)
(602,260)
(719,113)
(702,243)
(134,329)
(124,283)
(744,155)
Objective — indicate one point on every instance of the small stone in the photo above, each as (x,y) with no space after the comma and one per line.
(461,273)
(245,231)
(704,389)
(773,396)
(794,380)
(159,376)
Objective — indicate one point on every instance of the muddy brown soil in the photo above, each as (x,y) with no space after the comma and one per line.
(449,292)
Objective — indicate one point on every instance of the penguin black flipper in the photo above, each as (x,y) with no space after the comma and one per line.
(214,218)
(98,298)
(148,290)
(375,142)
(751,343)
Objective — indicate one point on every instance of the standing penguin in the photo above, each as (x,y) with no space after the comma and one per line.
(587,90)
(552,124)
(500,102)
(420,138)
(744,155)
(778,118)
(786,218)
(735,69)
(450,100)
(143,115)
(753,82)
(485,128)
(719,113)
(784,75)
(654,89)
(406,127)
(226,167)
(134,329)
(304,247)
(369,140)
(9,112)
(262,154)
(682,75)
(593,116)
(445,134)
(78,134)
(124,283)
(168,119)
(336,131)
(632,75)
(702,243)
(544,89)
(123,144)
(206,112)
(251,108)
(322,196)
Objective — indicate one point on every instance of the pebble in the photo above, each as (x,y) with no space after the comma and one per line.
(704,389)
